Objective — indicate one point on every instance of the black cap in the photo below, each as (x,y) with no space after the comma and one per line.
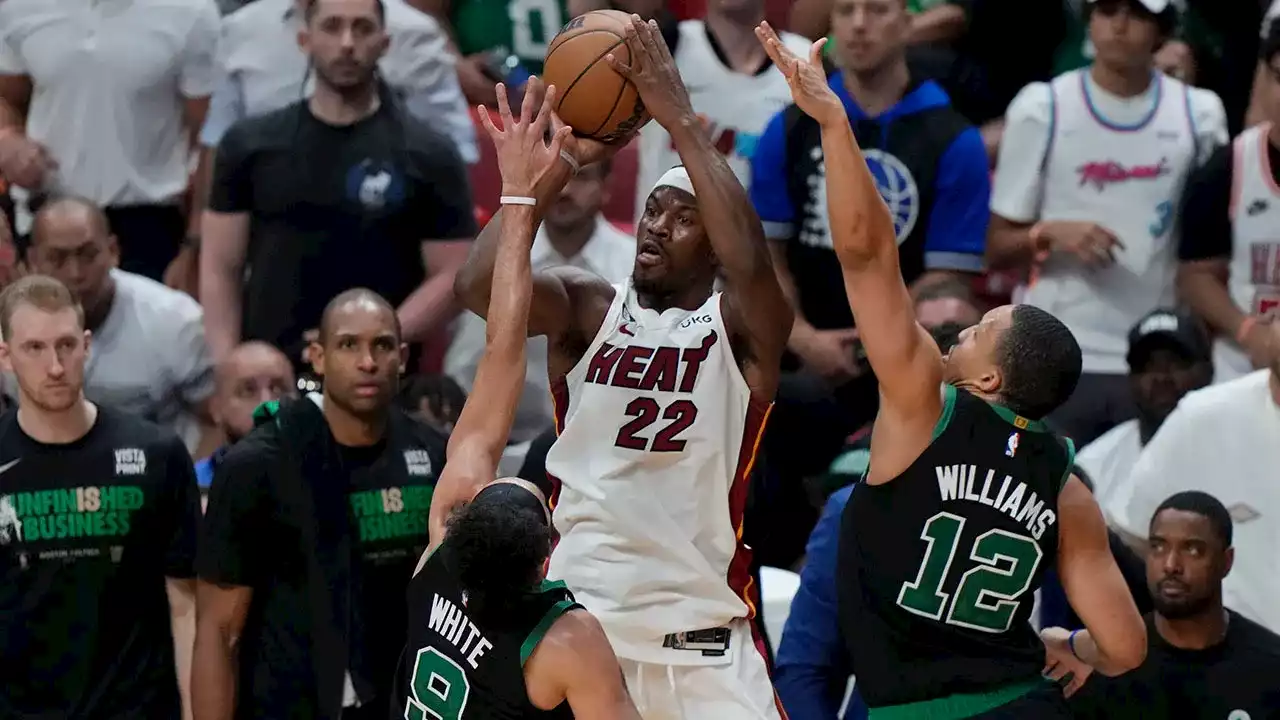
(1167,328)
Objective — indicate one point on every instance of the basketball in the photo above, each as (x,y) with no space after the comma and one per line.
(590,97)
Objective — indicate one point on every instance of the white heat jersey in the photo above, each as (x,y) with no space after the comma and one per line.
(1255,243)
(657,435)
(1128,180)
(734,107)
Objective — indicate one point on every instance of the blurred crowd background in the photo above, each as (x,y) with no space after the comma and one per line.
(1116,162)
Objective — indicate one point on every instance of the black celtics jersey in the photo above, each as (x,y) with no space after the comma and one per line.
(89,530)
(939,567)
(455,668)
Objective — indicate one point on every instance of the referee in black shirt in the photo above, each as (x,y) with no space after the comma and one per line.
(315,522)
(98,514)
(1203,661)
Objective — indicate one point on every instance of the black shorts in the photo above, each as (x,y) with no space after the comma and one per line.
(1045,703)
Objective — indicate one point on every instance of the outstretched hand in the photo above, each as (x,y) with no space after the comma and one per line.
(527,158)
(806,78)
(653,72)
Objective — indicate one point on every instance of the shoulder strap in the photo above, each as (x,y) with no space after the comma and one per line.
(549,618)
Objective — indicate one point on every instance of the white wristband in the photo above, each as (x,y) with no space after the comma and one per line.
(571,160)
(517,200)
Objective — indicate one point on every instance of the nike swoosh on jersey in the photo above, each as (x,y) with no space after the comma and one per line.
(5,467)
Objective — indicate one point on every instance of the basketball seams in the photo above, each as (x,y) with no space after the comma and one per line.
(622,87)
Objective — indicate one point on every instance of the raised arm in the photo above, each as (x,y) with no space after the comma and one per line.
(477,441)
(756,306)
(562,298)
(902,354)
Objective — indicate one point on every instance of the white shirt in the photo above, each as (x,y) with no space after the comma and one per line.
(1223,440)
(735,107)
(1109,459)
(261,69)
(609,253)
(658,434)
(1072,151)
(110,78)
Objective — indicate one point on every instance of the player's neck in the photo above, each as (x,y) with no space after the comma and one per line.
(568,242)
(1121,82)
(735,34)
(688,298)
(1198,632)
(335,108)
(878,89)
(96,314)
(57,427)
(353,430)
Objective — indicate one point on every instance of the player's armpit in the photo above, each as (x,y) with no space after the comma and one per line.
(575,662)
(1094,586)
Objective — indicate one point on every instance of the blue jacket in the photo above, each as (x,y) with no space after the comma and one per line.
(812,670)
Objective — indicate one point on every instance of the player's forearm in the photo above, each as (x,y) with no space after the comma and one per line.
(474,280)
(182,618)
(213,686)
(512,281)
(1092,654)
(1207,295)
(220,296)
(861,227)
(733,227)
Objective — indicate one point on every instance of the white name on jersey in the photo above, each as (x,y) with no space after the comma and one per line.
(454,626)
(958,482)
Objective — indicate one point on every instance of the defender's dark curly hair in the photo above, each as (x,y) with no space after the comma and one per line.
(499,542)
(1040,360)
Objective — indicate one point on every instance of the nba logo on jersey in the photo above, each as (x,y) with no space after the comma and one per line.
(1011,447)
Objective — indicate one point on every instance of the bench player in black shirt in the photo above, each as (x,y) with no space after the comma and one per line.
(98,515)
(489,638)
(968,498)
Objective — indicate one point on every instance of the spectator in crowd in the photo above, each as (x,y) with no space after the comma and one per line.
(1168,358)
(88,108)
(931,169)
(1230,248)
(252,374)
(811,673)
(436,400)
(1256,113)
(262,69)
(340,190)
(148,354)
(573,233)
(316,520)
(1204,661)
(98,519)
(1091,169)
(1223,440)
(734,88)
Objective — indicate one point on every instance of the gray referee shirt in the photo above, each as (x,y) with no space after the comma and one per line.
(263,69)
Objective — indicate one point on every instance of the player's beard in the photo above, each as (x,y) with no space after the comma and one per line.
(1181,608)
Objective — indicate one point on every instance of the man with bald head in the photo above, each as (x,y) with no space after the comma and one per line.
(254,373)
(315,519)
(149,355)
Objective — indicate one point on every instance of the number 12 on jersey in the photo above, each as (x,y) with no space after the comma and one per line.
(988,594)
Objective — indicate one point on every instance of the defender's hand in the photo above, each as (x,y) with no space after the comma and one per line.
(526,156)
(653,71)
(806,78)
(1060,663)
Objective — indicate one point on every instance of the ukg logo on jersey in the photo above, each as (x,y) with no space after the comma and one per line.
(391,513)
(82,512)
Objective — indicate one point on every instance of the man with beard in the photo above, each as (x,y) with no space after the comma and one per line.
(315,521)
(1204,660)
(254,373)
(344,189)
(1169,356)
(98,514)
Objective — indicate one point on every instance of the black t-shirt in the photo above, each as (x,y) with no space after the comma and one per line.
(458,664)
(256,536)
(1237,679)
(1206,206)
(89,530)
(336,207)
(939,567)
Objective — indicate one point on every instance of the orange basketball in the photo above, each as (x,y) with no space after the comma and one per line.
(590,97)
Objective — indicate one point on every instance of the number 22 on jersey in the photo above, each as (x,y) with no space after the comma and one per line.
(988,594)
